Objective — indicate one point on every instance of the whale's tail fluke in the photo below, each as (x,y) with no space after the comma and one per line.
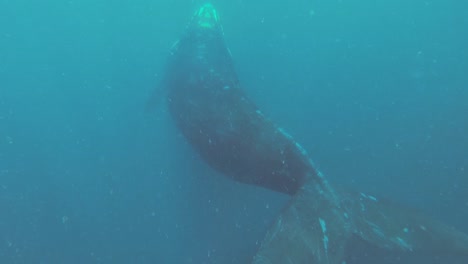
(363,230)
(311,229)
(395,227)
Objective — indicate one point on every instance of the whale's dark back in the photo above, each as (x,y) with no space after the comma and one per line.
(222,124)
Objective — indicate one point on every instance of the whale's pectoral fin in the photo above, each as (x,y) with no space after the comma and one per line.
(362,229)
(401,232)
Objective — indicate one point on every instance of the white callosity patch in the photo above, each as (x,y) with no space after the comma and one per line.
(288,136)
(370,197)
(301,149)
(363,208)
(376,229)
(319,173)
(366,196)
(403,244)
(323,225)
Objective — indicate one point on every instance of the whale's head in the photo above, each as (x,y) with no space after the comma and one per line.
(206,17)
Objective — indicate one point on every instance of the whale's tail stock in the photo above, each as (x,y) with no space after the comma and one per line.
(361,229)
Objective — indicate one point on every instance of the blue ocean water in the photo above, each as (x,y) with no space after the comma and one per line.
(376,91)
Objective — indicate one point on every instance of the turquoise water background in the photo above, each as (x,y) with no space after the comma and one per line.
(376,91)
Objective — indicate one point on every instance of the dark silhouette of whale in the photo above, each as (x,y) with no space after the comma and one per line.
(320,224)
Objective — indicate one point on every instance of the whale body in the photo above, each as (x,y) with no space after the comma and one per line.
(228,130)
(319,225)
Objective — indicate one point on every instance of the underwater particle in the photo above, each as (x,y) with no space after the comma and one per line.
(64,219)
(311,12)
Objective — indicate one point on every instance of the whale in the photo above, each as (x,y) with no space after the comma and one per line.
(321,223)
